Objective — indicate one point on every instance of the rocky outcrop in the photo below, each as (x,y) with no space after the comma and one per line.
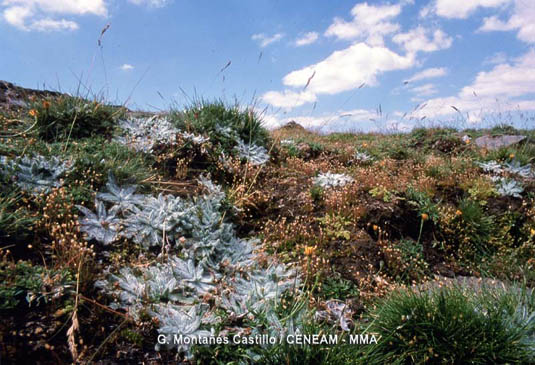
(293,125)
(497,142)
(13,95)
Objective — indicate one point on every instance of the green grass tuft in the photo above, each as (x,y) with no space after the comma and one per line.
(452,327)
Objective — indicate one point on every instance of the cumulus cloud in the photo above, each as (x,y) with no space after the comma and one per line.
(48,24)
(429,73)
(126,67)
(265,40)
(512,84)
(460,9)
(505,79)
(421,39)
(521,20)
(16,16)
(288,98)
(370,24)
(36,14)
(495,59)
(347,69)
(151,3)
(306,39)
(424,90)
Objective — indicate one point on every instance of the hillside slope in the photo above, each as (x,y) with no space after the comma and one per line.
(119,231)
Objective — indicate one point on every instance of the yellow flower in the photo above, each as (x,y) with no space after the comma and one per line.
(33,112)
(310,250)
(425,216)
(375,227)
(364,145)
(458,212)
(511,156)
(532,231)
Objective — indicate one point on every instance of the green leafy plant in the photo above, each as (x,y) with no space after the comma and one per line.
(32,283)
(103,226)
(515,167)
(330,180)
(382,193)
(37,174)
(491,166)
(338,288)
(123,198)
(405,260)
(142,134)
(509,187)
(257,155)
(363,157)
(423,203)
(215,260)
(316,192)
(335,226)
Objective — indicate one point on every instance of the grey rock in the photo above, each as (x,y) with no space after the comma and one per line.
(497,142)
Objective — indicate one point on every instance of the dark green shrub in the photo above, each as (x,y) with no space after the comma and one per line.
(477,224)
(69,117)
(339,288)
(316,193)
(315,149)
(503,128)
(33,284)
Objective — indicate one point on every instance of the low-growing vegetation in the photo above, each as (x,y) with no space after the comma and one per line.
(119,231)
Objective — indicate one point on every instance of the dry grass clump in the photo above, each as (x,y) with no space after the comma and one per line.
(287,236)
(66,244)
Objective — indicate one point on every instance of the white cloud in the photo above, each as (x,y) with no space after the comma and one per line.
(343,120)
(126,67)
(495,59)
(288,99)
(521,20)
(428,74)
(151,3)
(265,40)
(347,69)
(35,14)
(370,23)
(16,16)
(78,7)
(506,80)
(426,10)
(511,84)
(306,39)
(494,24)
(47,24)
(460,9)
(424,90)
(417,40)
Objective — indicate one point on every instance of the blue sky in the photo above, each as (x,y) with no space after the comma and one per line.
(331,66)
